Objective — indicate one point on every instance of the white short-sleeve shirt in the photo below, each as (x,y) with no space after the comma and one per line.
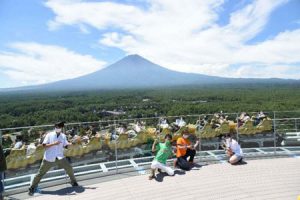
(18,145)
(235,147)
(56,151)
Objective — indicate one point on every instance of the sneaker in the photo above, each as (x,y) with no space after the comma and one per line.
(75,184)
(31,191)
(151,177)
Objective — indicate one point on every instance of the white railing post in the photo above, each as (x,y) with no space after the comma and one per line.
(237,127)
(116,148)
(198,129)
(0,137)
(274,131)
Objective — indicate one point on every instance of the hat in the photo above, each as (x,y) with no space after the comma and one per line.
(60,124)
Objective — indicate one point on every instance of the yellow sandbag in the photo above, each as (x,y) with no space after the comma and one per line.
(94,144)
(191,128)
(223,129)
(247,128)
(17,159)
(264,125)
(207,131)
(123,141)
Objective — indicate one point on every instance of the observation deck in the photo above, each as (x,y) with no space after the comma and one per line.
(115,166)
(258,179)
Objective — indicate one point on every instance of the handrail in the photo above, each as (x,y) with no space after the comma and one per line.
(132,119)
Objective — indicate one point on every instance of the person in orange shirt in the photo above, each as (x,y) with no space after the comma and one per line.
(185,149)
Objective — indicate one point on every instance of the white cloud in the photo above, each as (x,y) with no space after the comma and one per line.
(249,71)
(99,15)
(33,63)
(249,21)
(185,36)
(281,49)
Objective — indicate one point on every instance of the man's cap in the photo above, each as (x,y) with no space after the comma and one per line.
(60,124)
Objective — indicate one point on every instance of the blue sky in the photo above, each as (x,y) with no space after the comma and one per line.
(48,40)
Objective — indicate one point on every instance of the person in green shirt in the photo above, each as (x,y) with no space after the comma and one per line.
(164,151)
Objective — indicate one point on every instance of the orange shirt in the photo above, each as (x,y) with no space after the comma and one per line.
(181,141)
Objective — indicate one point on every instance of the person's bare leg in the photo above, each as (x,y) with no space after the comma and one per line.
(152,174)
(175,163)
(233,159)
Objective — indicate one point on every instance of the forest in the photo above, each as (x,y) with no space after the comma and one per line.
(39,108)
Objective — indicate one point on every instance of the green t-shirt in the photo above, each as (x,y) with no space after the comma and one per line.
(164,151)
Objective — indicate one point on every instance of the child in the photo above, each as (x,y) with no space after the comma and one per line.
(164,151)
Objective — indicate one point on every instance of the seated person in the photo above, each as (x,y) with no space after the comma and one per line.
(131,134)
(163,123)
(138,127)
(122,129)
(233,150)
(221,120)
(85,139)
(242,115)
(221,114)
(164,151)
(201,122)
(246,117)
(214,124)
(259,117)
(19,142)
(243,118)
(7,141)
(76,139)
(184,150)
(31,148)
(180,122)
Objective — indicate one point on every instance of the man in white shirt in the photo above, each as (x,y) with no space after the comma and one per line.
(233,150)
(54,144)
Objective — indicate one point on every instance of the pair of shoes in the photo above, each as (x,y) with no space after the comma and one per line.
(75,184)
(31,191)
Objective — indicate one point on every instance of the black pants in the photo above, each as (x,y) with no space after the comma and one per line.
(182,161)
